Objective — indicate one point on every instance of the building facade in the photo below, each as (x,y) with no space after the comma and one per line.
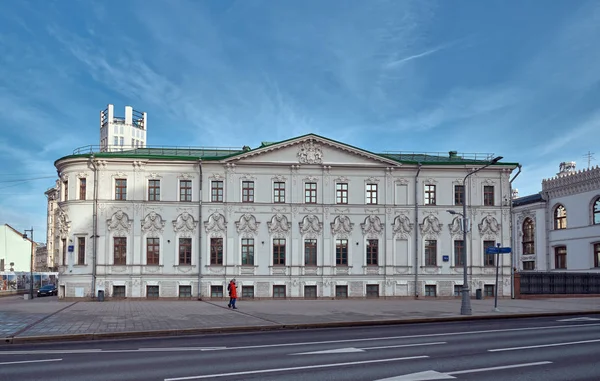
(52,247)
(308,217)
(558,229)
(15,252)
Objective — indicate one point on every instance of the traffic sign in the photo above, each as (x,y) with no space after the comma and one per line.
(498,250)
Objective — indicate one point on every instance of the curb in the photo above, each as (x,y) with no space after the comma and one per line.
(275,327)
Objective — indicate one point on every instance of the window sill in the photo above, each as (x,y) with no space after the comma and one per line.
(193,266)
(147,265)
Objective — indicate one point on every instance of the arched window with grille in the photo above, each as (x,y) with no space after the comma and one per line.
(596,211)
(560,217)
(528,237)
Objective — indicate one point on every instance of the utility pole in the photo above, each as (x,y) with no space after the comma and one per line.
(590,157)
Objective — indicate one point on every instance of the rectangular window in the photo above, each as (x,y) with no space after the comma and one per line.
(310,193)
(430,194)
(459,194)
(489,259)
(118,291)
(66,189)
(216,191)
(216,251)
(248,292)
(81,250)
(116,139)
(185,292)
(528,265)
(152,292)
(560,257)
(122,141)
(279,292)
(185,251)
(341,252)
(216,291)
(459,253)
(458,290)
(121,189)
(341,193)
(372,252)
(247,251)
(120,251)
(341,292)
(185,190)
(430,290)
(372,291)
(488,195)
(310,292)
(153,190)
(310,252)
(64,251)
(279,192)
(152,251)
(279,252)
(82,189)
(371,194)
(430,252)
(488,290)
(247,191)
(597,255)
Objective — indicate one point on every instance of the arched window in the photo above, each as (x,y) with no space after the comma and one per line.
(596,211)
(560,217)
(528,237)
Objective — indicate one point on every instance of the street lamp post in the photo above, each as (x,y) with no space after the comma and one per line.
(465,307)
(31,264)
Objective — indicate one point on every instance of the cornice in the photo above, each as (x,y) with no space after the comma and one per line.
(583,177)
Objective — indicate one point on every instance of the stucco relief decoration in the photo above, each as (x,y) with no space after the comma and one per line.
(64,225)
(185,176)
(489,226)
(184,224)
(216,223)
(311,179)
(341,226)
(279,225)
(217,177)
(401,181)
(372,227)
(120,174)
(247,176)
(431,181)
(64,177)
(247,225)
(402,226)
(279,178)
(153,224)
(82,175)
(154,175)
(431,226)
(327,173)
(342,179)
(311,226)
(138,165)
(119,222)
(455,227)
(372,180)
(310,153)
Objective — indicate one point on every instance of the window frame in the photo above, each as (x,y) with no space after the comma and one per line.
(372,252)
(120,251)
(279,251)
(121,189)
(153,190)
(279,291)
(81,251)
(82,188)
(371,194)
(248,188)
(310,252)
(560,257)
(431,290)
(488,195)
(430,195)
(430,251)
(559,219)
(459,194)
(486,257)
(596,253)
(310,193)
(185,196)
(247,248)
(279,192)
(528,240)
(341,252)
(459,258)
(217,190)
(341,193)
(596,211)
(216,251)
(66,190)
(184,256)
(152,251)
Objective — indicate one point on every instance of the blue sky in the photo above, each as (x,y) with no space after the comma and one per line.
(519,79)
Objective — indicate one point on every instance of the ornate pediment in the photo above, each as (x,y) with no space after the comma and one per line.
(279,225)
(153,224)
(216,223)
(311,226)
(119,223)
(431,226)
(402,226)
(185,224)
(489,226)
(64,225)
(310,153)
(372,227)
(247,225)
(342,226)
(455,226)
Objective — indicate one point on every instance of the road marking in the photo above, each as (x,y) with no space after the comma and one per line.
(356,350)
(433,375)
(294,368)
(51,352)
(544,345)
(580,319)
(28,361)
(181,349)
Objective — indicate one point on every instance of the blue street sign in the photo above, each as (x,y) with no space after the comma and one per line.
(491,250)
(445,258)
(71,248)
(504,250)
(498,250)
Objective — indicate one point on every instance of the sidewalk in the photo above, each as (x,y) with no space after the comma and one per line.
(47,319)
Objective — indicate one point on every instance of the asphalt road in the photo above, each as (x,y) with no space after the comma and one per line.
(549,349)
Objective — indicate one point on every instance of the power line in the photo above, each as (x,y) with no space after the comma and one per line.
(28,179)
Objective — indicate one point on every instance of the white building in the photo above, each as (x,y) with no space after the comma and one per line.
(301,218)
(15,252)
(52,196)
(118,133)
(558,229)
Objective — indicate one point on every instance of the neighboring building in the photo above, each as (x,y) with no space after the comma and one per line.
(119,133)
(52,195)
(307,217)
(15,252)
(558,229)
(41,258)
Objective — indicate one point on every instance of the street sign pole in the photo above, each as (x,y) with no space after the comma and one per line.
(496,287)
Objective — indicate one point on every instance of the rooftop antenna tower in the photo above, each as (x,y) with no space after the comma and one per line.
(590,157)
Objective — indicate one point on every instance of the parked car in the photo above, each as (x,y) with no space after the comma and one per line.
(48,289)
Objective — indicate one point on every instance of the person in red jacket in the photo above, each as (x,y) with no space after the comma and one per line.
(232,294)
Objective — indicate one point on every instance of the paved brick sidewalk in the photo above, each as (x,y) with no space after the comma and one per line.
(50,317)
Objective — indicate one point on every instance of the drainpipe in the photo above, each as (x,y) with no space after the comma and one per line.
(417,229)
(199,227)
(513,240)
(94,225)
